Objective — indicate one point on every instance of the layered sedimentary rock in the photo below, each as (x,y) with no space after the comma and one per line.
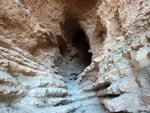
(80,56)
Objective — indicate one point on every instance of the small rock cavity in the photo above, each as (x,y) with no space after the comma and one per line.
(76,57)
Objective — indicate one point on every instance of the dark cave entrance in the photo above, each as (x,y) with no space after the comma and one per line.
(75,56)
(81,44)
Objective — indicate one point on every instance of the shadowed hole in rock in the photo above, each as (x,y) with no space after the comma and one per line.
(81,44)
(76,57)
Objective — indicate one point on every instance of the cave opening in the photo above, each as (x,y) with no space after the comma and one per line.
(81,44)
(75,56)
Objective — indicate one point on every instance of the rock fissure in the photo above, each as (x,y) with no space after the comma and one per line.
(74,56)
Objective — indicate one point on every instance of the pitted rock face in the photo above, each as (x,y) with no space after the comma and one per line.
(74,56)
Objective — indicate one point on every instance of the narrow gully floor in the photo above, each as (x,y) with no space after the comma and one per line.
(79,100)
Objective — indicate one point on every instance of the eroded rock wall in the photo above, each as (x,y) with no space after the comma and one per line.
(33,34)
(122,72)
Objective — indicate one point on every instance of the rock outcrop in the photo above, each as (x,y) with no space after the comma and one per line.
(80,56)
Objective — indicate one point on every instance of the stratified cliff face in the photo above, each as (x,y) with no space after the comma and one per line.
(74,56)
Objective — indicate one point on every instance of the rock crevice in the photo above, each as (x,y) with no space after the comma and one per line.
(78,56)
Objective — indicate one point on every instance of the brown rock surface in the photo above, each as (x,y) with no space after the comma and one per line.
(80,56)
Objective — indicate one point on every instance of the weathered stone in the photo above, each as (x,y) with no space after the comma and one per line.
(128,85)
(57,56)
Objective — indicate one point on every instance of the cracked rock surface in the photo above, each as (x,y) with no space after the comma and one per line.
(74,56)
